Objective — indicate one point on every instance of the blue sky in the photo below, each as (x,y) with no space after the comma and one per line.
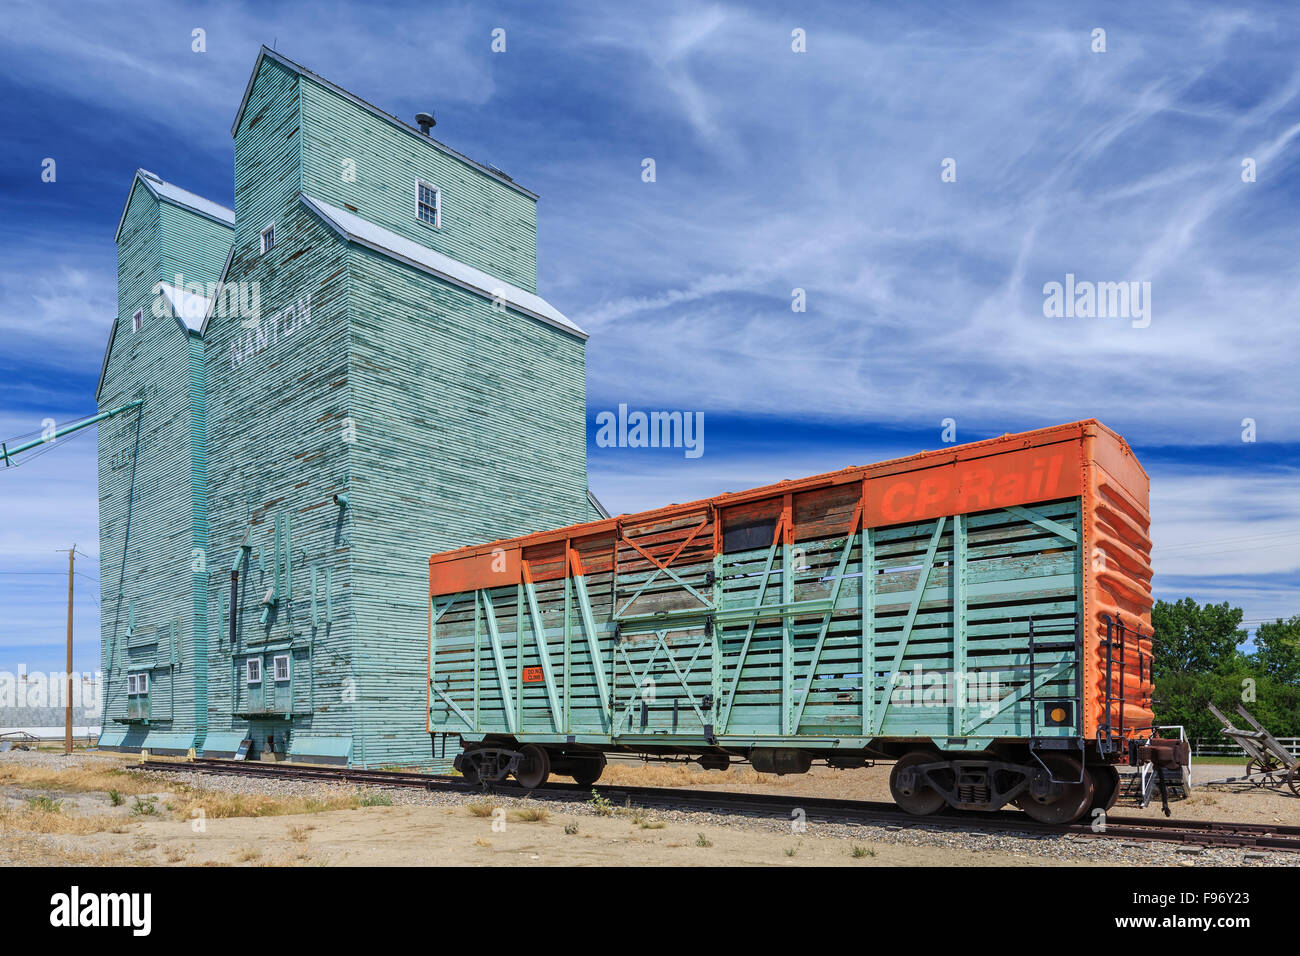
(775,170)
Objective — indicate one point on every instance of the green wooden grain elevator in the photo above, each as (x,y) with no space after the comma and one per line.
(380,381)
(152,469)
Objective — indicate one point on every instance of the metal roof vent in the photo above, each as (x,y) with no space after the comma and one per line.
(425,121)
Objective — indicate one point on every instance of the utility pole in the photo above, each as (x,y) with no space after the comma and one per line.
(67,700)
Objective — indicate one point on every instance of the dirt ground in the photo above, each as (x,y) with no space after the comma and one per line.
(446,836)
(91,812)
(1247,804)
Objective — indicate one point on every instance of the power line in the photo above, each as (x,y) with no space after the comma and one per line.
(47,447)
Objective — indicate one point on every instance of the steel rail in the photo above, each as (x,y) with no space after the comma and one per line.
(823,809)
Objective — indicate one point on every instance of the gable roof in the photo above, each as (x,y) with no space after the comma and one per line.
(162,190)
(267,52)
(355,229)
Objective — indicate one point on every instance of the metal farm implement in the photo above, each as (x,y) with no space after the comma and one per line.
(1270,765)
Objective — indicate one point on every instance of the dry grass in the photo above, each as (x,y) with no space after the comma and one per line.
(298,834)
(248,854)
(680,775)
(531,815)
(480,808)
(26,851)
(482,842)
(82,779)
(216,805)
(33,820)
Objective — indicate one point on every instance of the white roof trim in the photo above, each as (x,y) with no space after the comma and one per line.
(108,350)
(301,70)
(188,307)
(168,192)
(595,503)
(216,295)
(358,230)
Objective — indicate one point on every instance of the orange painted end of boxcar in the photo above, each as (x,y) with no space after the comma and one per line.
(1117,583)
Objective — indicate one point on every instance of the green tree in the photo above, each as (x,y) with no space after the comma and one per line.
(1191,638)
(1277,651)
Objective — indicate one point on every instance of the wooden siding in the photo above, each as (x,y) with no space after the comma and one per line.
(764,637)
(484,223)
(191,246)
(151,480)
(470,423)
(278,408)
(267,155)
(440,420)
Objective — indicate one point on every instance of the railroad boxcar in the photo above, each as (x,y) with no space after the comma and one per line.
(980,615)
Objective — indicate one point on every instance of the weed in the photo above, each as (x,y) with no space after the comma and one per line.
(702,840)
(531,815)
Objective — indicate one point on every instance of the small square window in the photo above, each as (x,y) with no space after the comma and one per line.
(281,667)
(137,320)
(428,204)
(268,238)
(254,669)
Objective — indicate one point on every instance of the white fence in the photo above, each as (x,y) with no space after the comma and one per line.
(1222,747)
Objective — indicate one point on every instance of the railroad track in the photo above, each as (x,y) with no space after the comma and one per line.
(782,806)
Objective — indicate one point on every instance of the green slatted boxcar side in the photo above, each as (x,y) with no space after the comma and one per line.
(935,610)
(720,670)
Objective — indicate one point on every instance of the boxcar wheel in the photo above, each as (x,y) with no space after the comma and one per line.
(1071,803)
(469,773)
(587,770)
(915,796)
(534,768)
(1105,784)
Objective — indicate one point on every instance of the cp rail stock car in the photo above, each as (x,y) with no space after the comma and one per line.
(980,615)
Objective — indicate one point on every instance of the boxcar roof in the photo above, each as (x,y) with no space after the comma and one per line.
(1003,444)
